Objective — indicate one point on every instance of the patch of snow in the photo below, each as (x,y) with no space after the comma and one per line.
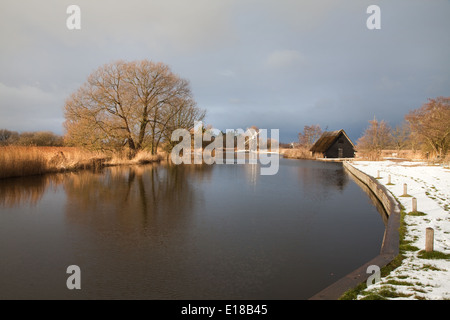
(430,184)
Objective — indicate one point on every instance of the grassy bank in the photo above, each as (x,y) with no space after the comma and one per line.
(404,246)
(297,153)
(415,274)
(17,161)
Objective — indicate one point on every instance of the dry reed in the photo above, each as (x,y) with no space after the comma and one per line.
(298,153)
(18,161)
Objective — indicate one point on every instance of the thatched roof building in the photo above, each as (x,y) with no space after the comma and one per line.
(334,144)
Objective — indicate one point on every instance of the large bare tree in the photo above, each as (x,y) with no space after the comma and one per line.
(137,104)
(431,124)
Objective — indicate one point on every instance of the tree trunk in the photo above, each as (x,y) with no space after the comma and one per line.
(133,149)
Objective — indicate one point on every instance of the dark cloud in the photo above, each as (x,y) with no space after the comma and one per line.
(275,64)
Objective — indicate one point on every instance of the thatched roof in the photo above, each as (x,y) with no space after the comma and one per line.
(327,139)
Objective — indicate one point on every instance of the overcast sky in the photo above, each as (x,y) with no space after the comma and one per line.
(278,64)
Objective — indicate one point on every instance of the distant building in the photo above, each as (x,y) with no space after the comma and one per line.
(333,144)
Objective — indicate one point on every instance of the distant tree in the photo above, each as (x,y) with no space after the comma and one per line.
(309,136)
(431,124)
(8,137)
(401,136)
(40,138)
(376,137)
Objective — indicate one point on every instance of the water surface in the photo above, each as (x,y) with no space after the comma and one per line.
(185,232)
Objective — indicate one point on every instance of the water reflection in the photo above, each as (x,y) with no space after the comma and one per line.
(135,197)
(252,172)
(28,190)
(320,180)
(185,232)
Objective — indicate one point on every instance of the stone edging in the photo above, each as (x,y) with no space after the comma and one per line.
(389,247)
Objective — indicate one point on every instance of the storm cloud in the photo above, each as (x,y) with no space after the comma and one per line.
(274,64)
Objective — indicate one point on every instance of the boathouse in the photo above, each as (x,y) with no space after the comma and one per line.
(333,144)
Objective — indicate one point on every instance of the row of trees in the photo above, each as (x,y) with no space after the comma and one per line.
(133,105)
(426,128)
(39,138)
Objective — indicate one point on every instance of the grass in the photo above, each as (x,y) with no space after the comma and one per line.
(18,161)
(383,294)
(433,255)
(386,292)
(430,267)
(416,213)
(400,283)
(408,247)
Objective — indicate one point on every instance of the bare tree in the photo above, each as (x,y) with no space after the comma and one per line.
(8,137)
(309,136)
(431,124)
(136,104)
(376,137)
(401,136)
(38,138)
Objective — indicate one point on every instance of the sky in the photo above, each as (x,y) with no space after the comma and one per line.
(277,64)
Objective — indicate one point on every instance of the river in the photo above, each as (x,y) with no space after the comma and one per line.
(161,231)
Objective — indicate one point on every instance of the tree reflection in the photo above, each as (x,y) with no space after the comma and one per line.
(26,190)
(152,197)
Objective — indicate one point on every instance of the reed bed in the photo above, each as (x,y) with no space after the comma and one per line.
(18,161)
(298,153)
(142,157)
(21,161)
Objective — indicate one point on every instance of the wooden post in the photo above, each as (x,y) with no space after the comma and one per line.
(389,179)
(378,174)
(405,189)
(414,204)
(429,240)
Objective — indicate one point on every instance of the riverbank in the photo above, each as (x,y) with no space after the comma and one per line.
(18,161)
(296,153)
(420,275)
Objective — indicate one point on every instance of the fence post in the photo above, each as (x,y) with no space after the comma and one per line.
(405,189)
(414,204)
(429,240)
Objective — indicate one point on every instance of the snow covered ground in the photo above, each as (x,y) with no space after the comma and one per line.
(417,278)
